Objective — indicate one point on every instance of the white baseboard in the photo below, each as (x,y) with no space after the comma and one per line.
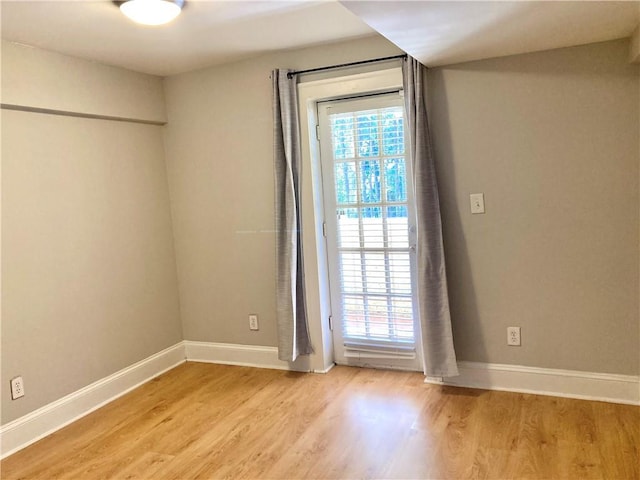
(32,427)
(243,355)
(232,354)
(547,381)
(512,378)
(326,370)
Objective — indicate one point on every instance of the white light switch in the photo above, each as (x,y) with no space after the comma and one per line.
(477,202)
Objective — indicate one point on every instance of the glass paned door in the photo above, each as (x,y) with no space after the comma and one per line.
(370,232)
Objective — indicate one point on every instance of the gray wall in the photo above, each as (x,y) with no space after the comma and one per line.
(88,269)
(552,139)
(220,163)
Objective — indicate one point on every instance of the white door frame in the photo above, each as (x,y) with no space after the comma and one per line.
(315,255)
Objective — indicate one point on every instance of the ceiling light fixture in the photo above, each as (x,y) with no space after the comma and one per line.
(151,12)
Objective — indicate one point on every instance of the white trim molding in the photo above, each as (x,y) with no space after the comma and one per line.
(245,355)
(38,424)
(604,387)
(511,378)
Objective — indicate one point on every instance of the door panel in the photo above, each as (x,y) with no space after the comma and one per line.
(369,213)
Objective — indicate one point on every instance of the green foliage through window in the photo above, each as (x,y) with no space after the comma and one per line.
(368,147)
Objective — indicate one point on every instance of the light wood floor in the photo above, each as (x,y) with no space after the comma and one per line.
(212,421)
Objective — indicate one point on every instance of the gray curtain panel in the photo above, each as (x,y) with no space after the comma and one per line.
(433,300)
(293,330)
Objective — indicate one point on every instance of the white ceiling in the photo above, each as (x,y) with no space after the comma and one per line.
(206,33)
(441,32)
(215,32)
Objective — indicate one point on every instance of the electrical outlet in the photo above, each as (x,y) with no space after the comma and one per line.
(253,322)
(513,336)
(17,388)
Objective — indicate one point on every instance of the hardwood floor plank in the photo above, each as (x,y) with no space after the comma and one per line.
(148,465)
(205,421)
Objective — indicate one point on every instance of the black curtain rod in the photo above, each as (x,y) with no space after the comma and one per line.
(343,65)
